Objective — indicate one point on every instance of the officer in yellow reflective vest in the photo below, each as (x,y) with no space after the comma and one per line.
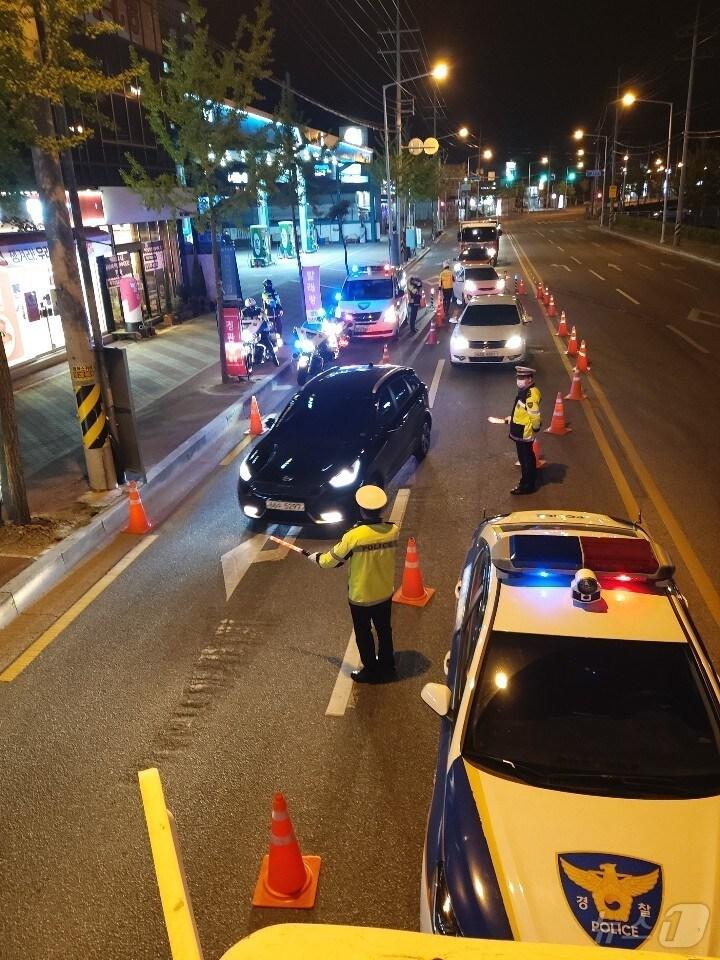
(369,548)
(525,422)
(447,282)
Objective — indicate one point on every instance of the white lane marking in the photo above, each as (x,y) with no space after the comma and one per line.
(627,296)
(686,284)
(45,639)
(694,315)
(540,234)
(598,275)
(560,248)
(616,267)
(236,451)
(337,705)
(435,383)
(563,265)
(693,343)
(671,266)
(646,267)
(596,244)
(237,562)
(579,262)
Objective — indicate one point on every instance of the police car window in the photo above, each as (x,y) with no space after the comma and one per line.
(368,288)
(386,407)
(413,382)
(472,621)
(587,715)
(400,390)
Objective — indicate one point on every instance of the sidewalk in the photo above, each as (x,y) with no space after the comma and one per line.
(707,253)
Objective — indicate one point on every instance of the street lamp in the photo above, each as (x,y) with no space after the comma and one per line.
(628,100)
(487,154)
(578,135)
(439,72)
(542,160)
(463,132)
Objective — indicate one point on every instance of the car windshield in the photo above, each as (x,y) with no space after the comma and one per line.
(585,715)
(490,315)
(333,408)
(479,234)
(368,288)
(480,273)
(473,254)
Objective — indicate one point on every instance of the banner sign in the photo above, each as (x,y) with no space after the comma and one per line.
(229,273)
(287,239)
(233,343)
(313,299)
(153,256)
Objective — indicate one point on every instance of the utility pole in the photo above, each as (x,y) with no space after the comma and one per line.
(683,167)
(611,219)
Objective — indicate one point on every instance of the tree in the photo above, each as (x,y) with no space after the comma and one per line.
(44,66)
(196,110)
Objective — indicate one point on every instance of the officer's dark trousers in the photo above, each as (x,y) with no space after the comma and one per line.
(528,467)
(447,300)
(412,315)
(364,618)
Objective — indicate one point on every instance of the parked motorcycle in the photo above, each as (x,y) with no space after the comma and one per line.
(317,346)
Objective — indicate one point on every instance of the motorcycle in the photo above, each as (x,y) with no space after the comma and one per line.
(316,347)
(272,308)
(257,339)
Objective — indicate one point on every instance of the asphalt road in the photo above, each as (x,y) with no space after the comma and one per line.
(227,695)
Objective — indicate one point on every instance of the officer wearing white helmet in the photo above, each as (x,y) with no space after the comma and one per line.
(369,548)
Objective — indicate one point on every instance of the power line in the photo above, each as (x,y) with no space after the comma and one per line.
(324,106)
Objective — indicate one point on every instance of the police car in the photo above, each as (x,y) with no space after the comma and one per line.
(373,302)
(577,791)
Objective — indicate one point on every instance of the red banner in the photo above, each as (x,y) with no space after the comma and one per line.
(233,343)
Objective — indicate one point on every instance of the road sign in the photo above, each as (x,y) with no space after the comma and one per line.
(431,146)
(612,191)
(593,173)
(415,146)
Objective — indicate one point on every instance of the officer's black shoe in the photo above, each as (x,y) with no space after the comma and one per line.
(388,671)
(365,675)
(520,491)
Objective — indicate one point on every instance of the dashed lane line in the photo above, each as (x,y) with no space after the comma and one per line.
(697,571)
(684,283)
(596,244)
(616,267)
(562,249)
(63,622)
(432,393)
(578,262)
(627,296)
(646,267)
(340,696)
(693,343)
(598,275)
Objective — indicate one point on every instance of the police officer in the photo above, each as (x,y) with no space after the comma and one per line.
(525,422)
(369,547)
(414,300)
(447,282)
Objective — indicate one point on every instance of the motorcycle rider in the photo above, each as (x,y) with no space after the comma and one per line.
(271,304)
(415,289)
(252,314)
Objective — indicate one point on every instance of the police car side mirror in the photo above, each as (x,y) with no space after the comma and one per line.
(437,697)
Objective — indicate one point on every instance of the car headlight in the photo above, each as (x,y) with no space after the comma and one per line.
(338,313)
(307,346)
(389,315)
(444,920)
(245,471)
(514,343)
(248,336)
(346,476)
(470,286)
(491,251)
(459,342)
(500,284)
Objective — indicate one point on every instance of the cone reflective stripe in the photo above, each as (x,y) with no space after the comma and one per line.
(582,358)
(432,339)
(138,521)
(562,330)
(572,347)
(385,354)
(521,287)
(576,390)
(432,297)
(558,427)
(552,310)
(287,879)
(256,425)
(413,591)
(539,291)
(546,296)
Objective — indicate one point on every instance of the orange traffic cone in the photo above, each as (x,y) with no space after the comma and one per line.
(576,390)
(582,360)
(138,521)
(287,879)
(521,287)
(539,462)
(432,338)
(546,296)
(440,312)
(558,427)
(552,311)
(413,591)
(539,291)
(572,347)
(562,330)
(385,354)
(256,424)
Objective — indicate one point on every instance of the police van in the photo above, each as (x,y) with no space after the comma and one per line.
(373,302)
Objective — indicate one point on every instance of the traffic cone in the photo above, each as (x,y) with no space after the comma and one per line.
(287,878)
(413,591)
(582,358)
(552,311)
(440,312)
(521,287)
(138,521)
(432,338)
(576,391)
(558,427)
(432,298)
(539,462)
(539,291)
(572,347)
(546,296)
(385,354)
(562,330)
(256,425)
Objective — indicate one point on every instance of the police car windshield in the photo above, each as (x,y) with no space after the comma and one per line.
(478,234)
(333,409)
(368,288)
(490,315)
(613,717)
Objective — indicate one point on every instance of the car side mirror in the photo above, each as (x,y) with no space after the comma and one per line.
(446,663)
(499,231)
(270,422)
(437,697)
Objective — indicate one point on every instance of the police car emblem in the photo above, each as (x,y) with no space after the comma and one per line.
(615,899)
(364,306)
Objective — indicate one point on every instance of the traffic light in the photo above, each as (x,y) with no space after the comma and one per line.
(571,176)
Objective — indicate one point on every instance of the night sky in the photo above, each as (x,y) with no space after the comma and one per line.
(524,73)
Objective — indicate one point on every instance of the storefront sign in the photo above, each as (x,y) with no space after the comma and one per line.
(229,273)
(116,267)
(310,235)
(311,285)
(153,256)
(233,343)
(16,256)
(31,306)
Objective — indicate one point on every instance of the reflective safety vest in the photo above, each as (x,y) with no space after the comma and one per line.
(525,421)
(370,549)
(446,279)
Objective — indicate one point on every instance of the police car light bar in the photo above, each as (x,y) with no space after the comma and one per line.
(625,557)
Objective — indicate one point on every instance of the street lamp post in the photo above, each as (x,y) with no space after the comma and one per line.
(579,134)
(628,100)
(542,160)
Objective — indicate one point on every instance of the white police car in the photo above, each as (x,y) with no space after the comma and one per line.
(373,302)
(577,792)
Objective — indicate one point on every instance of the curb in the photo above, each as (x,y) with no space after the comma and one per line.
(216,438)
(661,248)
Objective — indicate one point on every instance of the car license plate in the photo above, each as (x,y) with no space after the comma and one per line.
(286,505)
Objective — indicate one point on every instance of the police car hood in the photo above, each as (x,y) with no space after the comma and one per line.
(485,332)
(558,855)
(365,306)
